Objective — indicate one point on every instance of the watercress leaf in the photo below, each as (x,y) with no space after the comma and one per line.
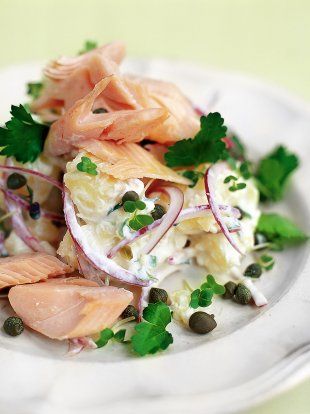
(129,206)
(140,205)
(157,314)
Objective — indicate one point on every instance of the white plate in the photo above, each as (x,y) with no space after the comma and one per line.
(252,355)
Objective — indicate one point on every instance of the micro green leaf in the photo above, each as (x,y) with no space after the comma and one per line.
(139,221)
(86,165)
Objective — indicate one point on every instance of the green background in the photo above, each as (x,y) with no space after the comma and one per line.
(265,38)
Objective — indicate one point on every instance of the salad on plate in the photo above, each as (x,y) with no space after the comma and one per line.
(112,182)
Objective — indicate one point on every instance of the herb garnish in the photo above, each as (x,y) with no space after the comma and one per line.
(151,335)
(235,186)
(23,138)
(86,165)
(193,175)
(137,221)
(88,46)
(107,334)
(273,173)
(279,231)
(34,89)
(206,146)
(202,297)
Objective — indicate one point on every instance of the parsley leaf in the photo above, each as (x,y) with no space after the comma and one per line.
(279,231)
(151,336)
(193,175)
(23,138)
(86,165)
(206,146)
(139,221)
(88,46)
(34,89)
(273,173)
(104,337)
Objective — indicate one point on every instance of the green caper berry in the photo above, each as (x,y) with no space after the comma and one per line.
(158,212)
(16,181)
(230,289)
(130,311)
(158,295)
(242,294)
(130,196)
(100,111)
(253,270)
(13,326)
(202,322)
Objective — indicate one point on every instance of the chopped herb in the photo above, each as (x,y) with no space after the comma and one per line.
(206,146)
(273,173)
(245,170)
(151,336)
(139,221)
(237,186)
(88,46)
(194,176)
(279,231)
(230,178)
(23,138)
(34,89)
(86,165)
(203,296)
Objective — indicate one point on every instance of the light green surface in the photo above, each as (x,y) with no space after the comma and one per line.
(267,38)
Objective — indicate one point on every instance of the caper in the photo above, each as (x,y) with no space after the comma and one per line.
(130,196)
(35,210)
(202,322)
(99,111)
(158,295)
(230,289)
(16,181)
(13,326)
(158,212)
(253,270)
(242,294)
(130,311)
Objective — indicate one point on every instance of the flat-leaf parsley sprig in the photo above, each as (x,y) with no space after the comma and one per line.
(151,335)
(23,138)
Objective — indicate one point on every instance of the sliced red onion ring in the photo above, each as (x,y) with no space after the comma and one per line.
(257,295)
(186,214)
(176,204)
(76,345)
(26,205)
(100,262)
(209,180)
(52,181)
(20,227)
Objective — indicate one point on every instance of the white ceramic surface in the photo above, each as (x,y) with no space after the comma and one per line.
(253,354)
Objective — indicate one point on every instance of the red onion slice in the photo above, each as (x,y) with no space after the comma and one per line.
(34,173)
(209,180)
(76,345)
(99,261)
(186,214)
(26,205)
(176,204)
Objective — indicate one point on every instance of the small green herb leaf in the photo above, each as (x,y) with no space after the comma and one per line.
(34,89)
(129,206)
(139,221)
(194,176)
(245,170)
(201,298)
(273,173)
(206,146)
(151,336)
(23,138)
(230,178)
(86,165)
(212,284)
(88,46)
(279,231)
(104,337)
(140,205)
